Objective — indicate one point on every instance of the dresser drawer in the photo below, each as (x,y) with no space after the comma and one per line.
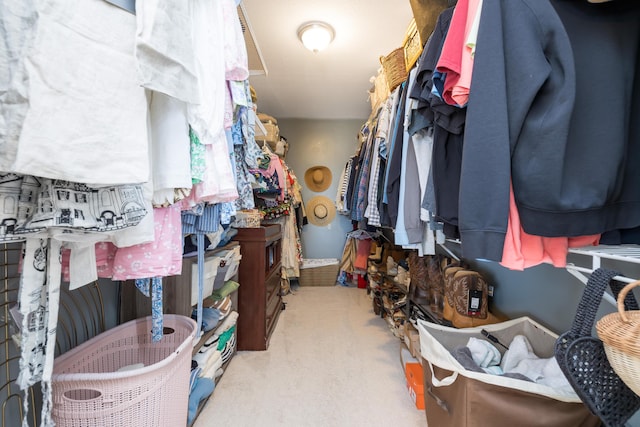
(274,306)
(272,284)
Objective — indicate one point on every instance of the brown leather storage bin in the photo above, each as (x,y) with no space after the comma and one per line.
(473,403)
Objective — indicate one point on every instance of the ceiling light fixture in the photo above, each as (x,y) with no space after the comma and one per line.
(316,35)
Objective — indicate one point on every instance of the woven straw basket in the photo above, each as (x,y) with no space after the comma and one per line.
(395,69)
(620,334)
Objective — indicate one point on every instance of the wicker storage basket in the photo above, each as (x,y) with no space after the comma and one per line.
(426,13)
(395,69)
(248,218)
(318,275)
(379,92)
(620,334)
(91,389)
(412,45)
(270,124)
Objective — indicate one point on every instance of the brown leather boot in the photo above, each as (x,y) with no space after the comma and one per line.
(419,287)
(436,284)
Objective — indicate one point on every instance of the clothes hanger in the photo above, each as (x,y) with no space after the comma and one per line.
(128,5)
(360,233)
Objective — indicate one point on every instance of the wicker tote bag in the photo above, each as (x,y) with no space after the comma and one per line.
(583,360)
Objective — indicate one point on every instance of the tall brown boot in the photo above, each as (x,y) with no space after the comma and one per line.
(436,284)
(419,287)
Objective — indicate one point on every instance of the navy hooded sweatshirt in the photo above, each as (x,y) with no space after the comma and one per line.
(555,85)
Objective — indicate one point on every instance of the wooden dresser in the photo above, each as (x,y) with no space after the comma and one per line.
(259,300)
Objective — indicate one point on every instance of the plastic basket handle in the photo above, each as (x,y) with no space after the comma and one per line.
(111,406)
(443,382)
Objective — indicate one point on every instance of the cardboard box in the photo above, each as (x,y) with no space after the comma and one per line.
(415,386)
(412,340)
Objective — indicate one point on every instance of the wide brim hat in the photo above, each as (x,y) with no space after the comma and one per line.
(317,178)
(320,211)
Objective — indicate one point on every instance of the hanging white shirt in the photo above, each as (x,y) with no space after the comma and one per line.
(86,120)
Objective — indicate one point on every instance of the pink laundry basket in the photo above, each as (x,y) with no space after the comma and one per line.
(88,389)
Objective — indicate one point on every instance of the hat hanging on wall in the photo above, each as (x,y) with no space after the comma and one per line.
(318,178)
(320,211)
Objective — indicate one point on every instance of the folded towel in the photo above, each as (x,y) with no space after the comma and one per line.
(463,356)
(225,337)
(483,352)
(230,321)
(521,359)
(210,370)
(226,289)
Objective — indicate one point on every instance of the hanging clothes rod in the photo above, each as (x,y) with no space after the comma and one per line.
(367,234)
(624,253)
(448,251)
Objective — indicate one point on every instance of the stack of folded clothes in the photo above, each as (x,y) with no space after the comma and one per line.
(206,365)
(214,314)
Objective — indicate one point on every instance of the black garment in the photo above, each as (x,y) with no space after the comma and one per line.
(554,90)
(352,179)
(590,182)
(395,162)
(448,122)
(422,116)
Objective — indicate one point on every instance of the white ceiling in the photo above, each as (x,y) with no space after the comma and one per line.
(334,83)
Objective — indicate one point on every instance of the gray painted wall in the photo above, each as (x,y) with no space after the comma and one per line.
(327,143)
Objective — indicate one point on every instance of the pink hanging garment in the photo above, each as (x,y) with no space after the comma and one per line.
(160,258)
(523,250)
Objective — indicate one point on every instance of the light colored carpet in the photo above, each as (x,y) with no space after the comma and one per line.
(331,362)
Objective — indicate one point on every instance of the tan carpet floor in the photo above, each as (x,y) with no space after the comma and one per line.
(331,362)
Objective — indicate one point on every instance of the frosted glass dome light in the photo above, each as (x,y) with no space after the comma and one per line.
(316,36)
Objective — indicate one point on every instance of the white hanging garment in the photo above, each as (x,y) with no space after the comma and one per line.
(86,120)
(163,48)
(235,49)
(39,297)
(16,32)
(219,184)
(207,117)
(170,153)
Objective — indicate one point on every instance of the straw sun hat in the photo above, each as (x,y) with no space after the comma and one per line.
(320,211)
(318,178)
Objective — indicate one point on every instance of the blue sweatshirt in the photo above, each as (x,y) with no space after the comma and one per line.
(549,107)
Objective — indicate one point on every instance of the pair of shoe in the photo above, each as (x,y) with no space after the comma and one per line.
(403,278)
(392,266)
